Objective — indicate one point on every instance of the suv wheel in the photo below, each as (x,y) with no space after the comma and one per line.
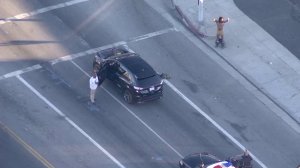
(128,96)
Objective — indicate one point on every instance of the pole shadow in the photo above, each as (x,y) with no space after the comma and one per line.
(27,42)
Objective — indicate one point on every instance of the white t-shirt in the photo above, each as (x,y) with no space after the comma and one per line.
(94,83)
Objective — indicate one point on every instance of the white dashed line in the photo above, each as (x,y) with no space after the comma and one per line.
(149,35)
(21,71)
(42,10)
(70,121)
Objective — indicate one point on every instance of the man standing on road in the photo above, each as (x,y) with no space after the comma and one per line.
(220,25)
(93,86)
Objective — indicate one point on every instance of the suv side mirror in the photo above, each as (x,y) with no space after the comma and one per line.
(164,76)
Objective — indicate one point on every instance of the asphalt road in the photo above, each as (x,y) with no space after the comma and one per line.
(12,147)
(48,107)
(280,18)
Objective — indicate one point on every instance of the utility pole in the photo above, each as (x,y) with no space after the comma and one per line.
(200,11)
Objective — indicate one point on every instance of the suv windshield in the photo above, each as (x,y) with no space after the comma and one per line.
(208,160)
(145,77)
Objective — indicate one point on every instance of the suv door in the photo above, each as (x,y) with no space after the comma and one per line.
(125,82)
(124,79)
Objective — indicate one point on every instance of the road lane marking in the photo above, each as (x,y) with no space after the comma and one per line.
(41,10)
(26,146)
(70,121)
(21,71)
(153,34)
(213,122)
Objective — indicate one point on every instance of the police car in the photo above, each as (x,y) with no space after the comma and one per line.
(203,160)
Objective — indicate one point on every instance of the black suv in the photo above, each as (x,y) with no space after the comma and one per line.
(127,70)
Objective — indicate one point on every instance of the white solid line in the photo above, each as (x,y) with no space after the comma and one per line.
(213,122)
(70,121)
(42,10)
(20,71)
(135,116)
(74,2)
(153,34)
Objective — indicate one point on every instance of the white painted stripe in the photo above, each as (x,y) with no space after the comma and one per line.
(83,71)
(21,16)
(70,121)
(213,122)
(74,2)
(21,71)
(153,34)
(135,116)
(42,10)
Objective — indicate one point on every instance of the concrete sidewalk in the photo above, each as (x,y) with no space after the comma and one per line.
(255,54)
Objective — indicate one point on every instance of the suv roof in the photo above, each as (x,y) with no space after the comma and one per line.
(139,67)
